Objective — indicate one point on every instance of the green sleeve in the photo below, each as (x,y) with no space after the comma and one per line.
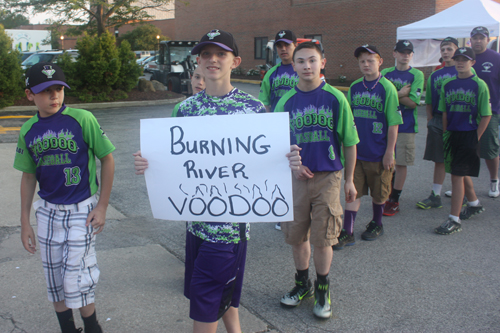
(483,99)
(442,100)
(23,160)
(384,71)
(417,85)
(391,109)
(92,132)
(176,110)
(346,129)
(280,107)
(265,88)
(428,91)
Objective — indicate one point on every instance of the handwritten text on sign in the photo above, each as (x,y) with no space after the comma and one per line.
(219,168)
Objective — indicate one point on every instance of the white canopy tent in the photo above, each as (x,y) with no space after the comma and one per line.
(456,21)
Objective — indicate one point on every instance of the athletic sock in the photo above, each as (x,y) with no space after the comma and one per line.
(304,274)
(474,203)
(322,279)
(436,188)
(349,218)
(66,321)
(378,210)
(454,218)
(91,324)
(395,195)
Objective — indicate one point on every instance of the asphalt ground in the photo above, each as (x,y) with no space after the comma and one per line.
(409,280)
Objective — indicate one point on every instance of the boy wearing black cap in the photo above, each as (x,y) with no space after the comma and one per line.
(434,142)
(57,147)
(282,77)
(487,67)
(466,114)
(215,251)
(409,82)
(375,106)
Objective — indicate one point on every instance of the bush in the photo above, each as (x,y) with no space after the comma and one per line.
(98,67)
(11,74)
(129,69)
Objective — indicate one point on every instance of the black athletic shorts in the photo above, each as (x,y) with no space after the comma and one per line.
(461,153)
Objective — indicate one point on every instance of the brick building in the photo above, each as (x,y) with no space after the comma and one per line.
(342,25)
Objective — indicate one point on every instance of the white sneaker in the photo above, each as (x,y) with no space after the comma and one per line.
(448,194)
(277,226)
(494,192)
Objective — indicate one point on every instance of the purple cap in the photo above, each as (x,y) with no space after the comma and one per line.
(286,36)
(42,75)
(465,52)
(370,48)
(217,37)
(480,30)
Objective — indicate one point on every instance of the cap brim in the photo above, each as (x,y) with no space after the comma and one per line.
(462,55)
(196,50)
(404,49)
(288,41)
(42,86)
(361,49)
(480,33)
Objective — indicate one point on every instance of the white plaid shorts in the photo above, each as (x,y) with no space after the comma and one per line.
(68,253)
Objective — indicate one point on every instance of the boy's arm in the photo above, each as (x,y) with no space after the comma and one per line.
(294,159)
(28,185)
(428,111)
(97,217)
(392,136)
(350,163)
(482,126)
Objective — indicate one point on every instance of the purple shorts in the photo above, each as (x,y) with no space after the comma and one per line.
(213,277)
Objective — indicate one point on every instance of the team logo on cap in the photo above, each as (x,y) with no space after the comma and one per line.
(48,71)
(281,34)
(366,45)
(212,34)
(462,50)
(480,29)
(27,81)
(406,43)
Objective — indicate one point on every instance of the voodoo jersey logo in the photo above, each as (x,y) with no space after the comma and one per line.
(366,105)
(461,100)
(284,80)
(398,83)
(438,81)
(320,122)
(62,144)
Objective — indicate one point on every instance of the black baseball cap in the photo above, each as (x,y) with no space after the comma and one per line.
(286,36)
(465,52)
(370,48)
(403,45)
(450,40)
(217,37)
(43,75)
(480,30)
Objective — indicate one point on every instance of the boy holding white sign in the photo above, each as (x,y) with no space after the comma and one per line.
(322,124)
(216,251)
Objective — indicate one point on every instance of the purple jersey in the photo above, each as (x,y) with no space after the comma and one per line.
(276,83)
(320,123)
(487,67)
(434,84)
(61,150)
(374,111)
(464,101)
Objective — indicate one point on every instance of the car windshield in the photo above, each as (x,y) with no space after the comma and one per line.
(179,53)
(36,58)
(24,56)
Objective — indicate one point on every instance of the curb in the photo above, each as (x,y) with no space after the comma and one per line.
(246,81)
(104,105)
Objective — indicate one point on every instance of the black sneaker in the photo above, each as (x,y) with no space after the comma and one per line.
(449,227)
(373,231)
(433,201)
(322,304)
(344,240)
(469,211)
(303,289)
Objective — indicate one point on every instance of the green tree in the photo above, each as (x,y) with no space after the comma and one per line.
(129,69)
(11,74)
(92,15)
(12,20)
(144,37)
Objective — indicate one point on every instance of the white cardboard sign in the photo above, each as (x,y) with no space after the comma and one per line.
(219,168)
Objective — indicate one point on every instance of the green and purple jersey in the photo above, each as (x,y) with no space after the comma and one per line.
(276,83)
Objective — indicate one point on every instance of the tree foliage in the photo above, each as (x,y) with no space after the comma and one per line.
(11,20)
(144,37)
(11,74)
(93,15)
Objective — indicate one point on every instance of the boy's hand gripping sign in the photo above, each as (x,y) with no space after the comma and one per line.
(219,168)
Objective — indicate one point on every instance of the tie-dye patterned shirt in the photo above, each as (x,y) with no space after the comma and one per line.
(201,104)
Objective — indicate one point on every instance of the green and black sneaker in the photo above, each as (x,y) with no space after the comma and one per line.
(303,289)
(433,201)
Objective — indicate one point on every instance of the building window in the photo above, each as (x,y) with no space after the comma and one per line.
(260,47)
(317,37)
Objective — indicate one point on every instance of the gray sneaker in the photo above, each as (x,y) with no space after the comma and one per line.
(469,211)
(433,201)
(449,227)
(303,289)
(322,304)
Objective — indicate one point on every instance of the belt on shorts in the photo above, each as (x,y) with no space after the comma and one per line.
(77,206)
